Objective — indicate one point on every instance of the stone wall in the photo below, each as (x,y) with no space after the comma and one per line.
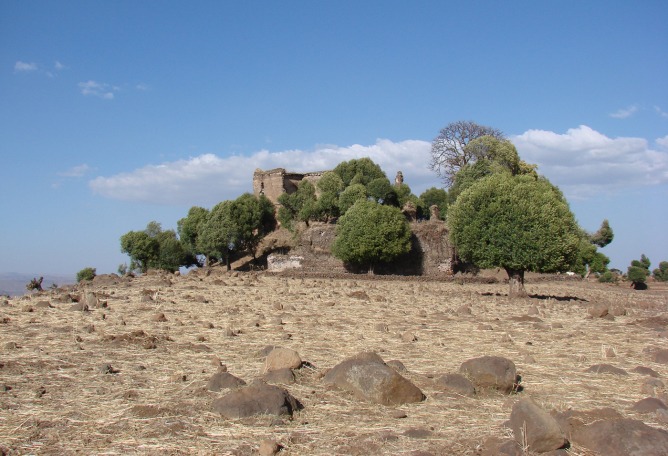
(431,253)
(275,182)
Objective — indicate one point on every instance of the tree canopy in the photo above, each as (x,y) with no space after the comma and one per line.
(638,272)
(155,248)
(359,171)
(370,233)
(519,223)
(449,153)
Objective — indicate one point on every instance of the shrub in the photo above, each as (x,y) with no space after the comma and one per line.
(608,277)
(638,272)
(86,274)
(35,284)
(661,273)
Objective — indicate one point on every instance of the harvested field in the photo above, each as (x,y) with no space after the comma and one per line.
(129,376)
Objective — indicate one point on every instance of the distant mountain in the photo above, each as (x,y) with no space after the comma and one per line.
(14,284)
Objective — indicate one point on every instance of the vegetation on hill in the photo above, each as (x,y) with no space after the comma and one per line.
(638,272)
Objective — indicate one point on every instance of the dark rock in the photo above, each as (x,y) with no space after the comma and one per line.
(418,433)
(494,446)
(598,310)
(256,399)
(457,384)
(660,356)
(535,427)
(645,371)
(606,369)
(284,376)
(648,405)
(397,365)
(43,305)
(369,378)
(491,372)
(622,437)
(224,380)
(572,420)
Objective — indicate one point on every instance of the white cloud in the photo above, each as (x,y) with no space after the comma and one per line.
(97,89)
(76,171)
(208,179)
(583,162)
(662,142)
(24,66)
(624,113)
(661,112)
(58,66)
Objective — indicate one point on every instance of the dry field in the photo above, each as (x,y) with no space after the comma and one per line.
(57,396)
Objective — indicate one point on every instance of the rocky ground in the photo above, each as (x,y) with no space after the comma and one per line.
(127,366)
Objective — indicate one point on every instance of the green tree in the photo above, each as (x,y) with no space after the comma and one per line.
(638,272)
(351,195)
(519,223)
(155,248)
(661,273)
(87,274)
(448,150)
(435,197)
(142,249)
(218,233)
(189,227)
(329,187)
(298,206)
(603,236)
(254,219)
(359,171)
(370,233)
(382,191)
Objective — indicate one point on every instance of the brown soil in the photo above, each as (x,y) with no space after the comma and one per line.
(115,381)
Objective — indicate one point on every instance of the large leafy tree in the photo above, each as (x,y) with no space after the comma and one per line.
(519,223)
(218,236)
(370,233)
(155,248)
(190,226)
(298,206)
(449,153)
(329,187)
(661,273)
(435,197)
(359,171)
(254,219)
(638,272)
(351,195)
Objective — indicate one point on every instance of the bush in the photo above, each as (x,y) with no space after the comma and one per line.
(638,272)
(608,277)
(35,284)
(661,273)
(86,274)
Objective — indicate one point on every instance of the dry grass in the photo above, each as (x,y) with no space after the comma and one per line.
(61,403)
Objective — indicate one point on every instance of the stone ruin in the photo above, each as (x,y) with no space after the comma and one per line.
(275,182)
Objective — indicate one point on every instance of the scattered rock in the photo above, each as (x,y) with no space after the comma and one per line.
(572,420)
(598,310)
(43,305)
(457,384)
(159,317)
(368,377)
(12,346)
(606,369)
(282,358)
(108,369)
(535,427)
(397,365)
(269,448)
(493,372)
(223,380)
(494,446)
(282,376)
(256,399)
(409,336)
(622,437)
(645,371)
(27,308)
(660,356)
(418,433)
(648,405)
(79,307)
(464,310)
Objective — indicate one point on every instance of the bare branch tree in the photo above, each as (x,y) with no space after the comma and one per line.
(448,150)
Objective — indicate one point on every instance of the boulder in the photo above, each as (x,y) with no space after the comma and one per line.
(282,358)
(660,356)
(606,369)
(456,383)
(224,380)
(648,405)
(622,437)
(368,378)
(493,372)
(285,376)
(535,427)
(256,399)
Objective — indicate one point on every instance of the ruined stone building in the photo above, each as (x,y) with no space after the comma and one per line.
(275,182)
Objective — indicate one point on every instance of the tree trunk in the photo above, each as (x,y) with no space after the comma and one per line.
(516,282)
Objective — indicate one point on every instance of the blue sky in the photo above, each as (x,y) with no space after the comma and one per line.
(114,114)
